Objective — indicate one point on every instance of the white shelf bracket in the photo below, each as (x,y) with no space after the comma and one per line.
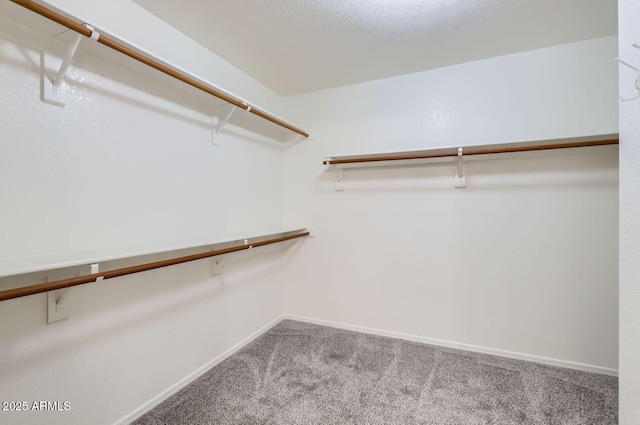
(217,261)
(339,171)
(214,136)
(57,309)
(53,89)
(57,301)
(217,265)
(461,178)
(636,87)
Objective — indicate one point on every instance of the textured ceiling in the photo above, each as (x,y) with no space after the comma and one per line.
(296,46)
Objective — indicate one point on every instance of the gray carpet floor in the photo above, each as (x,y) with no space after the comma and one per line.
(299,373)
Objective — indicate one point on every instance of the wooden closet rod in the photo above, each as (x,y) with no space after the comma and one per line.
(66,283)
(153,63)
(472,152)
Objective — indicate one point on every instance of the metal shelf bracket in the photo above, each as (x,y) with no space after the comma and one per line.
(217,261)
(461,178)
(339,178)
(214,135)
(53,89)
(57,301)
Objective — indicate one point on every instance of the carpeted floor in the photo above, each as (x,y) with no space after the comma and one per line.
(299,373)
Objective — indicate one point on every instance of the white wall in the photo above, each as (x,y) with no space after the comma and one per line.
(117,166)
(629,16)
(524,259)
(134,24)
(461,264)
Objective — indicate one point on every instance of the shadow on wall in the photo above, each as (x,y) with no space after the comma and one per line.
(209,110)
(118,306)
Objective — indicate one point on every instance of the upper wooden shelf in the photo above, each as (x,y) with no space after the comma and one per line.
(141,55)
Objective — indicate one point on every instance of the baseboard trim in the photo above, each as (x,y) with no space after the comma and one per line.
(155,401)
(459,345)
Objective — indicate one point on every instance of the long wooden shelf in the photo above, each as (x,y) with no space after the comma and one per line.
(165,67)
(454,152)
(89,278)
(23,265)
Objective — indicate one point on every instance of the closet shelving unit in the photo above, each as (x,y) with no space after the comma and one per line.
(142,56)
(176,253)
(205,247)
(459,154)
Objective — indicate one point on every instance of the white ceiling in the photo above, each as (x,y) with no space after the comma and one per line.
(296,46)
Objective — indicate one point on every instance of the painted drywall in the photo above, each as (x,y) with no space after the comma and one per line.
(629,384)
(131,340)
(523,260)
(122,164)
(135,25)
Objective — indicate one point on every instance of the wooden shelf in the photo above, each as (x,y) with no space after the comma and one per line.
(96,275)
(142,56)
(459,155)
(23,265)
(450,153)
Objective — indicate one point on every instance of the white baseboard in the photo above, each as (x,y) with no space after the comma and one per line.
(461,346)
(155,401)
(408,337)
